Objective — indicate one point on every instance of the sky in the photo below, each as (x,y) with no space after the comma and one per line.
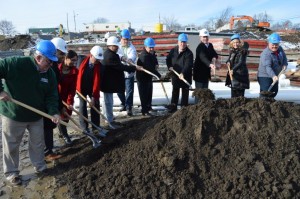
(71,13)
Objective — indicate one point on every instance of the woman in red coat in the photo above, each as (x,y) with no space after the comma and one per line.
(67,88)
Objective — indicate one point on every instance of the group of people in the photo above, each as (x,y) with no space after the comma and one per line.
(49,79)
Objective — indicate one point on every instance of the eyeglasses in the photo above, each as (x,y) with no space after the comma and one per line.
(49,62)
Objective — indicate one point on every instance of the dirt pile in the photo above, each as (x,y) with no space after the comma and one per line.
(235,148)
(16,43)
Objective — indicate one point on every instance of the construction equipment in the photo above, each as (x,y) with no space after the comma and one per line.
(260,25)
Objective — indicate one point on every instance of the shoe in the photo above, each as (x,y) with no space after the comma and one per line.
(15,180)
(172,108)
(123,108)
(52,156)
(152,110)
(147,114)
(42,173)
(68,140)
(129,112)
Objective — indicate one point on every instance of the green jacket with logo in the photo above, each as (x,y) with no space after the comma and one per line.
(22,80)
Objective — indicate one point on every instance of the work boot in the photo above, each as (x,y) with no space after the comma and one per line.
(172,108)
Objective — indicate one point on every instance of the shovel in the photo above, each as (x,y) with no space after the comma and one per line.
(184,80)
(78,125)
(96,142)
(215,79)
(102,132)
(93,107)
(162,84)
(269,93)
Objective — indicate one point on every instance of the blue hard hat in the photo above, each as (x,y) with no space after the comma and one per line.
(235,36)
(125,34)
(183,37)
(47,48)
(274,38)
(149,42)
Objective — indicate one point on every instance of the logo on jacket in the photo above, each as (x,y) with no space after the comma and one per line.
(44,80)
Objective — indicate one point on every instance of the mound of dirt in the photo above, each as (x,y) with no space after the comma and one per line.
(16,43)
(225,148)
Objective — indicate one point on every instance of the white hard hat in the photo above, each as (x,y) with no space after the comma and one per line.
(60,44)
(203,32)
(112,41)
(97,52)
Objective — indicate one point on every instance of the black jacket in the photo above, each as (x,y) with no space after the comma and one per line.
(237,60)
(181,63)
(203,59)
(148,61)
(112,73)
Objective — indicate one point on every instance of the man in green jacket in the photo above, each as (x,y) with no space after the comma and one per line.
(31,81)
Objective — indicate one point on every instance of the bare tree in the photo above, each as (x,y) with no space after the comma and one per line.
(100,20)
(262,17)
(171,23)
(224,17)
(6,27)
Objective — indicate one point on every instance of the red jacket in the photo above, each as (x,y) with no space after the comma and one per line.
(96,86)
(67,85)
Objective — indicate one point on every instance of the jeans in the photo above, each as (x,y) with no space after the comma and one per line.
(200,85)
(95,117)
(108,104)
(127,100)
(265,83)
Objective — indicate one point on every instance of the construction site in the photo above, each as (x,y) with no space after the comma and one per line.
(219,148)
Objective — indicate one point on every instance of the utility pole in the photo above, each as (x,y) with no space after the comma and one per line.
(68,24)
(74,19)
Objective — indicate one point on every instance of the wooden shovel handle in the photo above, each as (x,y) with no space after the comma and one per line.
(230,75)
(43,114)
(187,83)
(144,70)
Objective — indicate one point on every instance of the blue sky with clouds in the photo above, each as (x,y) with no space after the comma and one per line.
(34,13)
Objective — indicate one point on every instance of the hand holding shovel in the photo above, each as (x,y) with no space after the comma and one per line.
(269,93)
(182,78)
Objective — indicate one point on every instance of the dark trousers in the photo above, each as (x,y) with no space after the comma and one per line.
(237,92)
(63,129)
(95,117)
(265,83)
(145,92)
(127,100)
(184,96)
(48,136)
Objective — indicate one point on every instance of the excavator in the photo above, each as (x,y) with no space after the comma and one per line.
(254,24)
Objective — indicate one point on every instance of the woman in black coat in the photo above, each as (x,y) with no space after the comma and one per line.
(238,67)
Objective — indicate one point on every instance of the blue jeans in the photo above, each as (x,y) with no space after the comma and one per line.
(127,100)
(200,85)
(108,105)
(265,83)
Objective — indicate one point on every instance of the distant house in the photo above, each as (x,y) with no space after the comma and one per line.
(43,30)
(106,27)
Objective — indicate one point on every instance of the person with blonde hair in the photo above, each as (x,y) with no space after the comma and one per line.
(238,76)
